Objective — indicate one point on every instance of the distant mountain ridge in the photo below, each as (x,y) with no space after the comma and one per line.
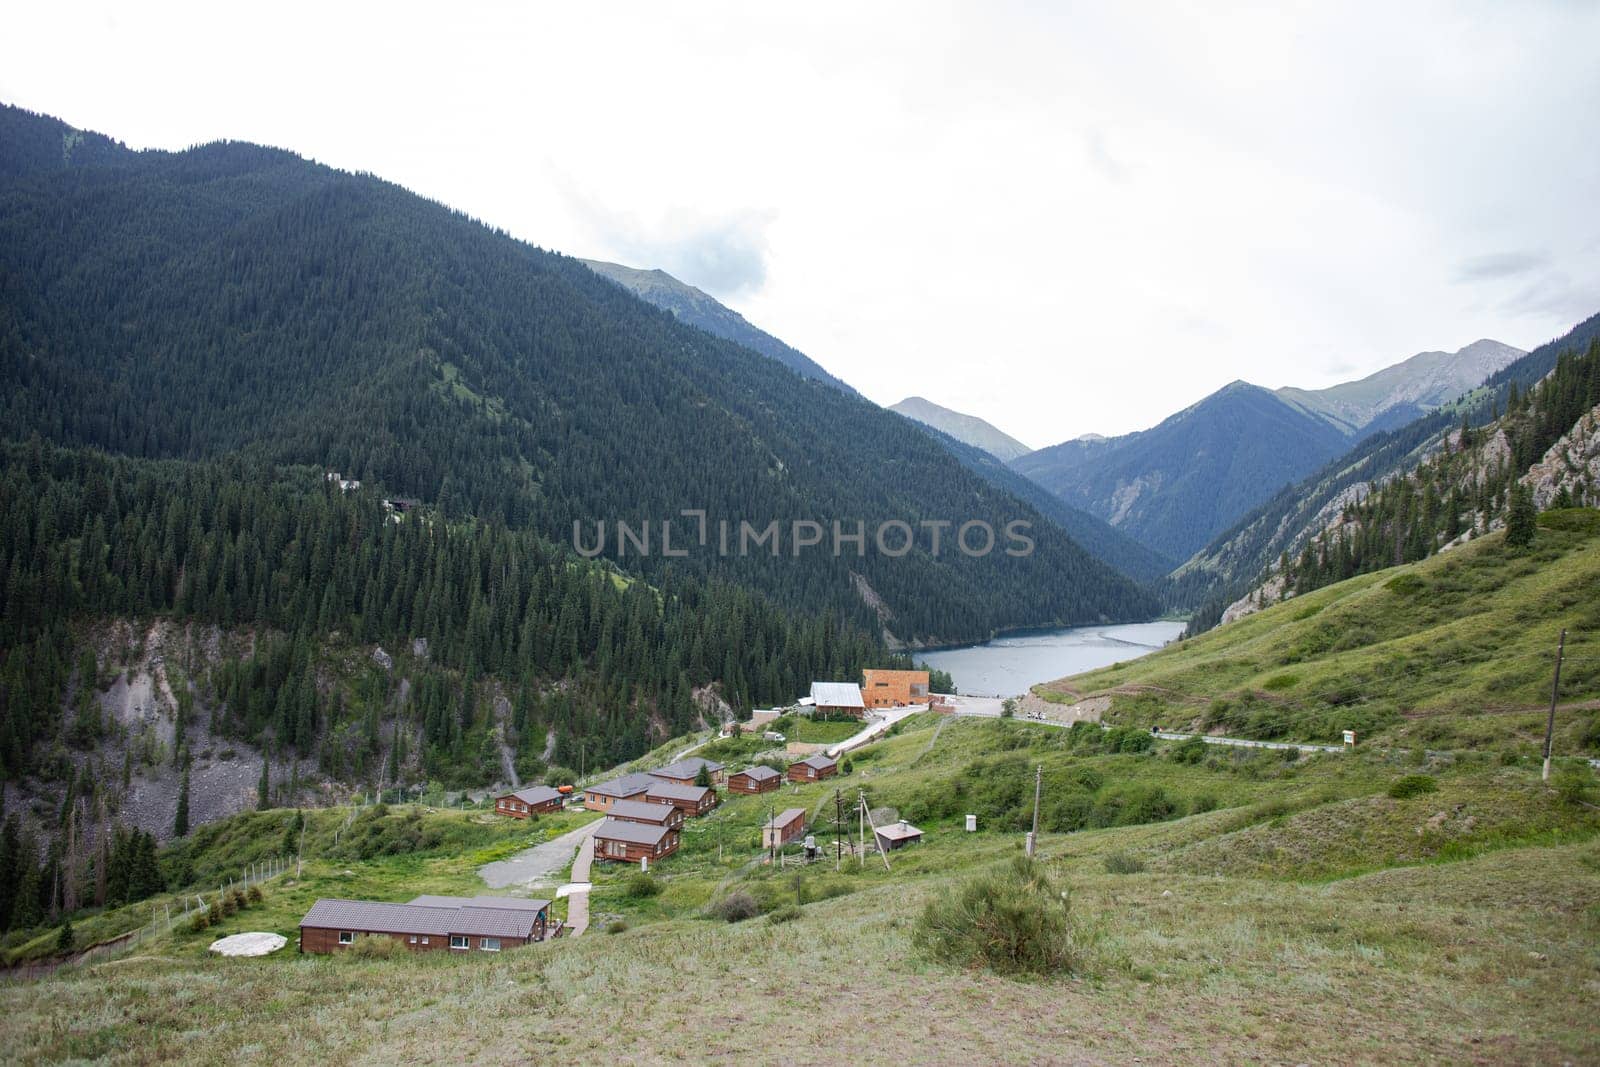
(1397,394)
(967,428)
(698,308)
(1179,484)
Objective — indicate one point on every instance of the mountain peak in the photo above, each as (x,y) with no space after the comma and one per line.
(969,429)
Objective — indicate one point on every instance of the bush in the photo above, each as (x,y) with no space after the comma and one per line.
(255,894)
(734,908)
(787,913)
(1573,784)
(1123,863)
(1413,785)
(642,886)
(616,926)
(847,766)
(1191,751)
(375,947)
(1014,921)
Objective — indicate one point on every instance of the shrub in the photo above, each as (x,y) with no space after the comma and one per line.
(847,766)
(616,926)
(1405,585)
(1413,785)
(200,922)
(1123,863)
(1191,751)
(255,894)
(735,907)
(1013,921)
(375,947)
(642,886)
(787,913)
(1573,784)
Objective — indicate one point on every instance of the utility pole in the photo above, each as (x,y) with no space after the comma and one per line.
(1555,687)
(1033,835)
(838,829)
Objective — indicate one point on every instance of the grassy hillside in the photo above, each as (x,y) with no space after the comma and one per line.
(1210,940)
(1454,652)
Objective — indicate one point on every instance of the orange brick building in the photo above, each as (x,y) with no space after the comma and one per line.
(894,689)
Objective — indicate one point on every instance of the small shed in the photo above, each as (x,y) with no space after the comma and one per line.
(813,769)
(784,827)
(897,835)
(757,779)
(651,814)
(630,842)
(838,698)
(534,800)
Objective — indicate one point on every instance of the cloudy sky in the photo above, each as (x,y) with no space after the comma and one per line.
(1063,218)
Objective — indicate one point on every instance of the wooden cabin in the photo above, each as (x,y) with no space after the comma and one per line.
(650,814)
(690,799)
(757,779)
(894,689)
(838,698)
(534,800)
(686,771)
(786,826)
(629,842)
(628,787)
(813,769)
(428,923)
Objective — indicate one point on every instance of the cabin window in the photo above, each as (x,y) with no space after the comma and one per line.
(489,944)
(347,937)
(413,939)
(460,941)
(424,941)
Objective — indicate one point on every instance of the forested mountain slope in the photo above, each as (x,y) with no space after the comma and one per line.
(1174,486)
(237,299)
(698,308)
(1232,563)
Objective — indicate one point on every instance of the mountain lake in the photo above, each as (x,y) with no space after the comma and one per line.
(1009,665)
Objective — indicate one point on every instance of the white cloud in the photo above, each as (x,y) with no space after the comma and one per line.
(1071,219)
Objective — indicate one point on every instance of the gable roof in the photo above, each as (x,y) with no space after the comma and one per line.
(429,900)
(695,793)
(760,773)
(629,785)
(687,768)
(533,794)
(432,916)
(819,761)
(634,833)
(784,818)
(837,695)
(642,809)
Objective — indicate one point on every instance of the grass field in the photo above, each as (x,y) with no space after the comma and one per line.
(1454,652)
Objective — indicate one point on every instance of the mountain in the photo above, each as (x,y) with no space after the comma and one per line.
(968,428)
(1100,539)
(697,308)
(1396,395)
(233,300)
(1173,487)
(1233,562)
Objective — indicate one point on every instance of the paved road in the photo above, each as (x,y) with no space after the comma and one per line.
(1242,742)
(889,718)
(541,863)
(577,890)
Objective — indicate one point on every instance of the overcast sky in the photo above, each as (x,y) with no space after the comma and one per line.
(1063,218)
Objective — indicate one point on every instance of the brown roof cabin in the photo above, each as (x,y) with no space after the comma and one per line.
(691,799)
(630,842)
(534,800)
(896,835)
(685,771)
(784,827)
(628,787)
(894,689)
(484,924)
(641,811)
(757,779)
(813,769)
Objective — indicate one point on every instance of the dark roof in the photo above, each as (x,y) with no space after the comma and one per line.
(433,916)
(641,809)
(635,833)
(819,761)
(784,817)
(695,793)
(627,786)
(687,768)
(533,794)
(760,772)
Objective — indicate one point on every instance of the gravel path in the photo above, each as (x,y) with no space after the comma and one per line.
(541,863)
